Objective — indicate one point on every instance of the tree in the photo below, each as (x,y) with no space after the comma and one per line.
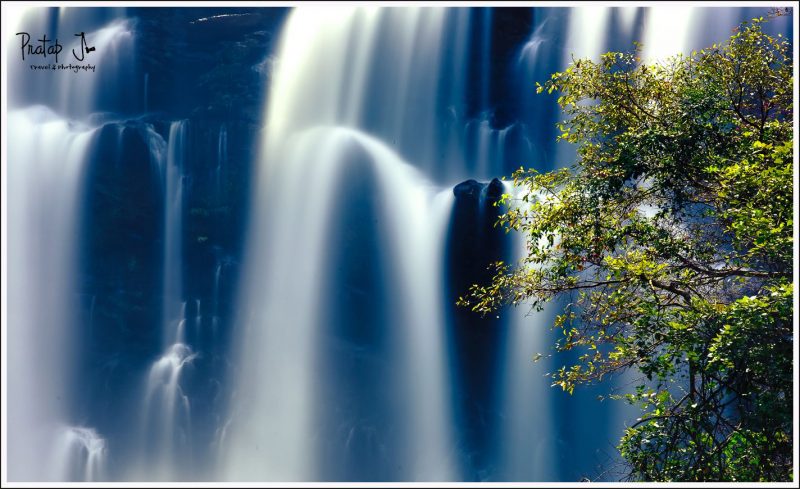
(671,241)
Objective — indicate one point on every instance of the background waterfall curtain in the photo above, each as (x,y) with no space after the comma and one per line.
(235,245)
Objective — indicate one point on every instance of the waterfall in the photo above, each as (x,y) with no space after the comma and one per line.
(486,147)
(346,371)
(587,33)
(333,159)
(531,447)
(173,229)
(78,455)
(345,284)
(364,313)
(166,410)
(49,156)
(167,414)
(173,315)
(667,31)
(82,93)
(486,59)
(282,340)
(349,48)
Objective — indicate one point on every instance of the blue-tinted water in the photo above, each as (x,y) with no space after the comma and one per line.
(236,244)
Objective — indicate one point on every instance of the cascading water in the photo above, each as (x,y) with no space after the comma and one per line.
(174,308)
(343,358)
(84,92)
(173,218)
(167,417)
(167,412)
(49,150)
(283,340)
(421,85)
(78,454)
(321,146)
(323,160)
(49,155)
(54,150)
(327,157)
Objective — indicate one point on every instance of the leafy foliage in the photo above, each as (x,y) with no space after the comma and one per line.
(671,239)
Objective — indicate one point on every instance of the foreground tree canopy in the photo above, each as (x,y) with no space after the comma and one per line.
(670,242)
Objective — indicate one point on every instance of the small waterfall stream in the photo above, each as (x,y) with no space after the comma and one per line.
(174,308)
(78,455)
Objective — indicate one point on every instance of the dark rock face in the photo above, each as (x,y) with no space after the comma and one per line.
(475,342)
(494,190)
(121,266)
(207,63)
(472,191)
